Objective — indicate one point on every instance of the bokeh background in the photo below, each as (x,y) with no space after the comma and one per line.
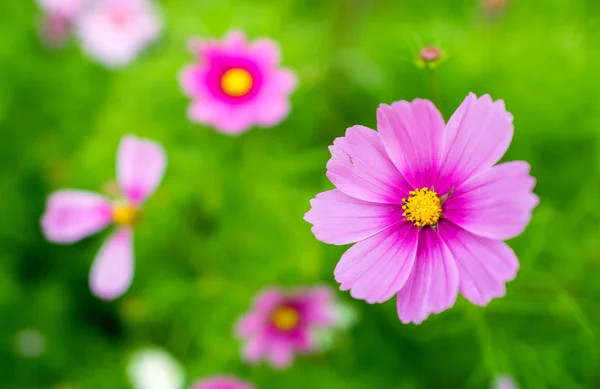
(227,220)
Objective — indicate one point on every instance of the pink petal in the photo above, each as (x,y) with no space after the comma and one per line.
(266,51)
(266,300)
(191,80)
(270,113)
(232,120)
(55,30)
(496,204)
(340,219)
(204,49)
(503,381)
(484,265)
(235,41)
(112,270)
(140,167)
(254,349)
(221,382)
(433,284)
(74,214)
(281,354)
(284,81)
(249,324)
(304,342)
(476,137)
(205,112)
(359,167)
(320,309)
(376,268)
(65,8)
(412,135)
(114,32)
(234,124)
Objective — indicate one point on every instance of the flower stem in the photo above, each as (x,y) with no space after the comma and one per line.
(435,92)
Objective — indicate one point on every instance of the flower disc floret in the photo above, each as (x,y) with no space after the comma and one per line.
(423,207)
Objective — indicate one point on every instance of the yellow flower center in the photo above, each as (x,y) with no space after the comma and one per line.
(423,207)
(285,318)
(236,82)
(125,214)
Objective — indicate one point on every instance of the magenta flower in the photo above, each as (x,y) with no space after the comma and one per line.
(426,206)
(236,85)
(281,324)
(115,31)
(221,382)
(72,215)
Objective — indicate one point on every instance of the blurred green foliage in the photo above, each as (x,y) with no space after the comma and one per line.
(227,220)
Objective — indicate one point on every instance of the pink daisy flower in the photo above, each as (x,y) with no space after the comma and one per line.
(72,215)
(426,206)
(221,382)
(58,18)
(282,324)
(115,31)
(237,84)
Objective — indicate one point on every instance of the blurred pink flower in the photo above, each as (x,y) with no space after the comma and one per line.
(426,205)
(494,8)
(237,84)
(504,381)
(282,324)
(430,53)
(221,382)
(72,215)
(69,9)
(115,31)
(58,18)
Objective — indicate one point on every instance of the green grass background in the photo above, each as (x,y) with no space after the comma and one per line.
(227,220)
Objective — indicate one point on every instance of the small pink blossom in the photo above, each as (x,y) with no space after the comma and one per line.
(58,18)
(494,8)
(281,324)
(430,53)
(237,84)
(221,382)
(72,215)
(426,206)
(115,31)
(69,9)
(504,381)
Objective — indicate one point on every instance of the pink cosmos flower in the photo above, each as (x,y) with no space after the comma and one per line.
(221,382)
(426,206)
(237,84)
(72,215)
(281,324)
(115,31)
(57,20)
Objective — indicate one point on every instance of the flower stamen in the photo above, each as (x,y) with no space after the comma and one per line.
(125,214)
(285,318)
(423,207)
(236,82)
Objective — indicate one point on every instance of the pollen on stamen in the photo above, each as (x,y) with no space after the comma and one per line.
(236,82)
(423,207)
(125,214)
(285,318)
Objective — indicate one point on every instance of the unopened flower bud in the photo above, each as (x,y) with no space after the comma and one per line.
(429,56)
